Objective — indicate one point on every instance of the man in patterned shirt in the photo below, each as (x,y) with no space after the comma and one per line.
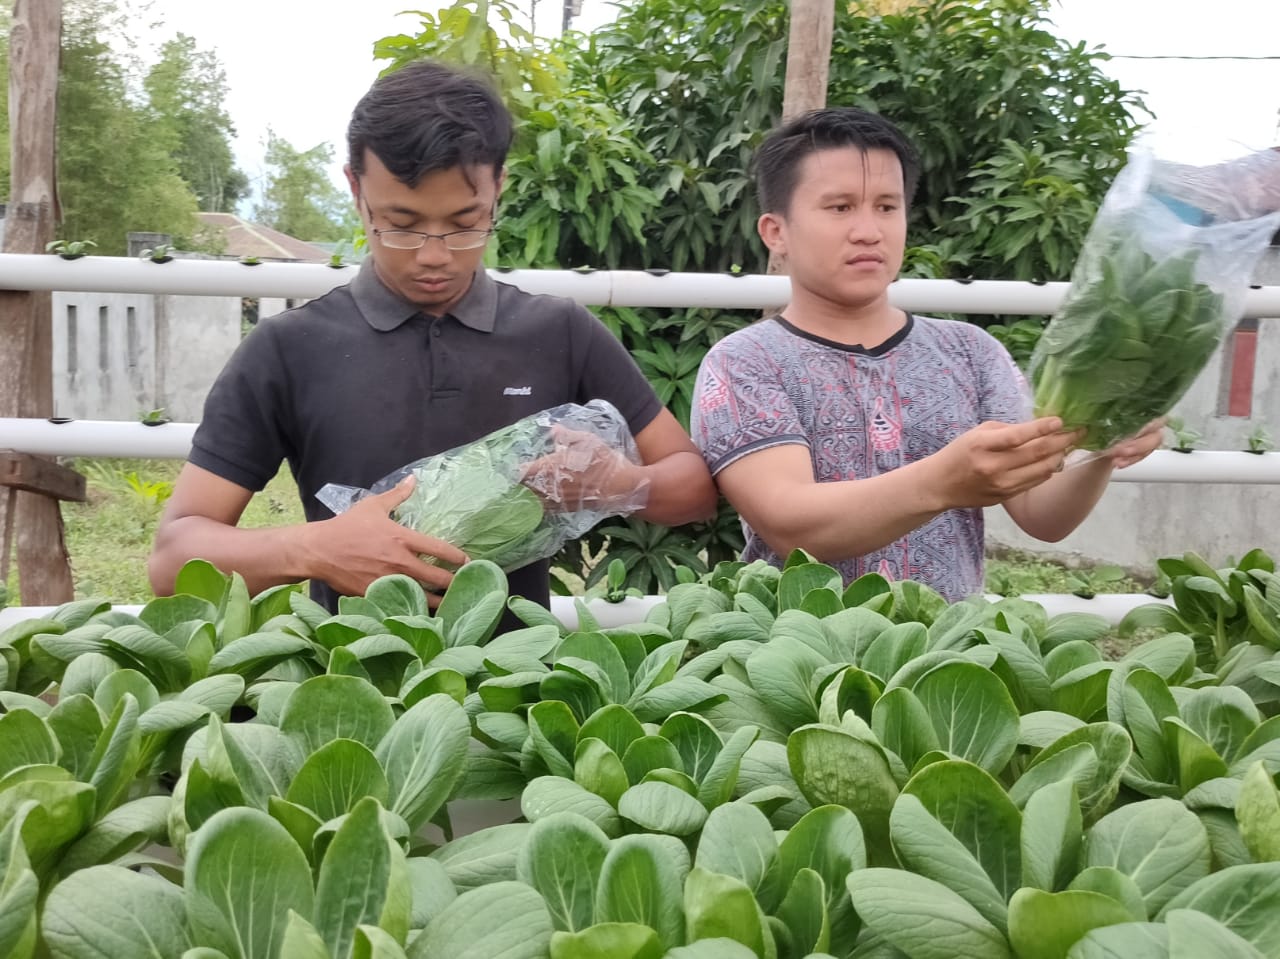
(864,435)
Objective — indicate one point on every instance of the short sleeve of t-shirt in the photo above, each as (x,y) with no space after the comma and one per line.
(741,404)
(606,371)
(241,436)
(1003,393)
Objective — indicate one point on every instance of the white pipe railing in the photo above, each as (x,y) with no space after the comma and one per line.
(634,288)
(173,441)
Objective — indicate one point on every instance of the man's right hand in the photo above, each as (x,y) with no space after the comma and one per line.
(996,461)
(352,550)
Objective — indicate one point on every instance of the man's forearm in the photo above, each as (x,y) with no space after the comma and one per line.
(264,557)
(1054,509)
(836,521)
(680,490)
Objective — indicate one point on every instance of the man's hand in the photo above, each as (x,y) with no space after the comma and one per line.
(996,461)
(364,543)
(584,472)
(1139,446)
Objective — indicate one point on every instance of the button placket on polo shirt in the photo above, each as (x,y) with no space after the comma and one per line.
(444,382)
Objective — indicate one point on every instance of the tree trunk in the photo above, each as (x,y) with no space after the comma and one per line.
(26,365)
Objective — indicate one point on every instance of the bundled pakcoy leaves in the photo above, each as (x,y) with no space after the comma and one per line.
(518,494)
(1150,298)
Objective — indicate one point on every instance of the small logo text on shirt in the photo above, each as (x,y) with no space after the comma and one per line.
(518,391)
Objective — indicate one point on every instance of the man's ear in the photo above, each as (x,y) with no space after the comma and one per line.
(772,229)
(352,181)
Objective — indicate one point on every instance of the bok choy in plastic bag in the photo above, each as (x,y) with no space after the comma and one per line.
(517,495)
(1162,275)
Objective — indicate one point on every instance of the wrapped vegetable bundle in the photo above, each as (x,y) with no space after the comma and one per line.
(518,494)
(1162,275)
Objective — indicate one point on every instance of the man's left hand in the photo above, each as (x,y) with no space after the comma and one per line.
(584,472)
(1138,447)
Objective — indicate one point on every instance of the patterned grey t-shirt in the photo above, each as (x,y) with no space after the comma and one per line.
(863,413)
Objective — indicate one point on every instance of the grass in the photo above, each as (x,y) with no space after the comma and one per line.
(109,537)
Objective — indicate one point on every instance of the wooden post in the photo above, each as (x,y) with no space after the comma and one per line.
(26,362)
(808,56)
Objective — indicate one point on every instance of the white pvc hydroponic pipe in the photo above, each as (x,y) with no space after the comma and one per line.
(1110,606)
(173,441)
(111,274)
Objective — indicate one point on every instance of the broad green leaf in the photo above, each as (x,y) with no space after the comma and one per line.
(608,940)
(243,919)
(397,595)
(829,841)
(107,911)
(374,943)
(850,690)
(431,681)
(1258,813)
(925,846)
(1051,833)
(1159,843)
(337,776)
(1097,781)
(483,858)
(122,830)
(1221,716)
(473,604)
(1114,884)
(720,780)
(302,940)
(1126,940)
(424,756)
(798,581)
(554,733)
(737,840)
(506,919)
(680,693)
(902,724)
(1043,728)
(19,889)
(549,795)
(326,708)
(718,906)
(26,740)
(1083,692)
(255,653)
(599,769)
(640,883)
(1246,899)
(1193,935)
(614,726)
(1045,925)
(202,579)
(804,913)
(363,880)
(972,713)
(696,741)
(662,808)
(649,754)
(85,674)
(114,687)
(780,673)
(300,822)
(1171,657)
(432,890)
(894,648)
(561,859)
(923,918)
(114,761)
(1197,760)
(718,948)
(832,767)
(975,809)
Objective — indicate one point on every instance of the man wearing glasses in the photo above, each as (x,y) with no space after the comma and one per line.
(423,351)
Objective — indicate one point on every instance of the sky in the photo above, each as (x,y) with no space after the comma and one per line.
(299,66)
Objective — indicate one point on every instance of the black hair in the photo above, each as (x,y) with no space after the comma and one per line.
(777,162)
(425,118)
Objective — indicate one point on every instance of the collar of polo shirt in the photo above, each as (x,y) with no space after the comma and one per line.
(385,311)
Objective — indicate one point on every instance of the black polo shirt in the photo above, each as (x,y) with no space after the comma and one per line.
(356,384)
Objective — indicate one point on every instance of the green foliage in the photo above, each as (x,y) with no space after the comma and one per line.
(299,199)
(186,89)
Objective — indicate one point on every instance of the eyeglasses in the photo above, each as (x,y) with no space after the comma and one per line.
(456,240)
(413,240)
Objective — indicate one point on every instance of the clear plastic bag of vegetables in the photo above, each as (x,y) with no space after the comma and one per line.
(518,494)
(1162,275)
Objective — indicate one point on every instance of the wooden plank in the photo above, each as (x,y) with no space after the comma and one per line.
(34,474)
